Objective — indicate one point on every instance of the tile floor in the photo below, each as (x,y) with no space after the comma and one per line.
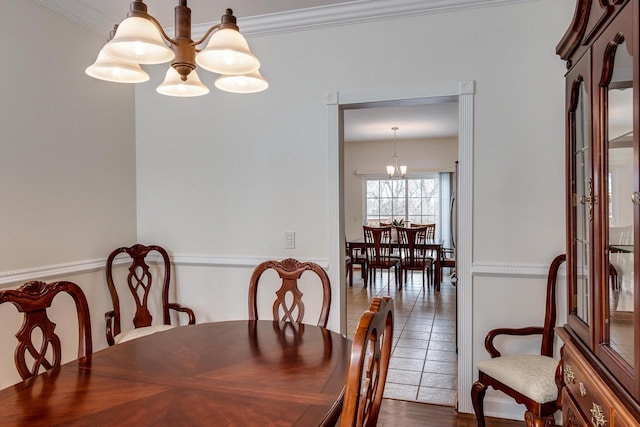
(424,361)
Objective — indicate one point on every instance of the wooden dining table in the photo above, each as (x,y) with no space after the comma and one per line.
(233,373)
(431,245)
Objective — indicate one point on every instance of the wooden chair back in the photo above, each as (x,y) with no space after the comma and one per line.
(140,283)
(33,299)
(288,305)
(378,246)
(368,366)
(413,257)
(379,252)
(431,231)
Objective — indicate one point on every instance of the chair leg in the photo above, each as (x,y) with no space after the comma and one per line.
(478,391)
(533,421)
(364,273)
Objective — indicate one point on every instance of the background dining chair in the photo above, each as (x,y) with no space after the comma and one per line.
(356,257)
(530,379)
(140,283)
(33,299)
(369,364)
(380,253)
(412,256)
(288,305)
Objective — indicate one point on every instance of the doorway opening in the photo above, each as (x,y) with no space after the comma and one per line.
(337,103)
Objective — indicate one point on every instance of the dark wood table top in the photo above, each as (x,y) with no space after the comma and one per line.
(428,244)
(237,373)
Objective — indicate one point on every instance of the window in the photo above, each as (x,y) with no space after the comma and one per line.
(416,200)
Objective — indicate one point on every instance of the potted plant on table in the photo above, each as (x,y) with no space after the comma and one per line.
(394,232)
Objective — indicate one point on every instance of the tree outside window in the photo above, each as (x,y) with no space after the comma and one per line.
(414,200)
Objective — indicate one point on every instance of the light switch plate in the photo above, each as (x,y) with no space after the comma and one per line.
(289,239)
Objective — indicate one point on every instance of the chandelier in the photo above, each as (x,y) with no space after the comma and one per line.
(393,170)
(140,39)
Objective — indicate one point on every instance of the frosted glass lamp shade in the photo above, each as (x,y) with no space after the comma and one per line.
(138,40)
(228,53)
(245,83)
(174,86)
(113,70)
(390,170)
(403,170)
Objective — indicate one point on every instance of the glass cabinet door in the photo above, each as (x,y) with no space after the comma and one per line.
(617,296)
(580,219)
(620,302)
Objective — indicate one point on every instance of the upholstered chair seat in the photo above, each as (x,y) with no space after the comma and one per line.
(140,332)
(529,374)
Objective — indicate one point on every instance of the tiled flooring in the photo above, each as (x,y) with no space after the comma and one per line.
(424,361)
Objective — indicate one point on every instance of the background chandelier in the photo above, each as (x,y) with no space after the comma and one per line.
(393,170)
(139,40)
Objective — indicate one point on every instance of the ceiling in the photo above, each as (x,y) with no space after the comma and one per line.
(433,120)
(374,123)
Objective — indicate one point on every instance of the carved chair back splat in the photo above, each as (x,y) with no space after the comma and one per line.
(33,299)
(290,270)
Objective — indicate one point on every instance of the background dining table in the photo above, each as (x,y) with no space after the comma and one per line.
(431,245)
(233,373)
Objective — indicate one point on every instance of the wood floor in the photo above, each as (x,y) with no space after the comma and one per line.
(400,413)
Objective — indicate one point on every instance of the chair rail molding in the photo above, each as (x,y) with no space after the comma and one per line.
(50,271)
(503,269)
(46,272)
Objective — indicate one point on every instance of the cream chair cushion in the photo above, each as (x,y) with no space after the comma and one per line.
(140,332)
(528,374)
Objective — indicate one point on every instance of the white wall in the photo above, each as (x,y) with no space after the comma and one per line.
(366,158)
(67,167)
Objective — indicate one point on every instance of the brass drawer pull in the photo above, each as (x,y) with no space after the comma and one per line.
(597,417)
(569,376)
(583,390)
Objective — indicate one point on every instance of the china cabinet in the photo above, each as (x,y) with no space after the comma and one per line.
(601,352)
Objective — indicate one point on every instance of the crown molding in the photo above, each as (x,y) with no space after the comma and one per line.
(82,14)
(296,20)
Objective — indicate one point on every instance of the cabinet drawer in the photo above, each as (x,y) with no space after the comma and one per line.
(590,396)
(571,415)
(585,392)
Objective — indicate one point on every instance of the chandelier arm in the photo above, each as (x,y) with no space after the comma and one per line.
(159,26)
(206,35)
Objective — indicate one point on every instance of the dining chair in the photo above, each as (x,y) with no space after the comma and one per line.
(412,256)
(140,281)
(379,252)
(33,299)
(288,305)
(530,379)
(356,257)
(368,365)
